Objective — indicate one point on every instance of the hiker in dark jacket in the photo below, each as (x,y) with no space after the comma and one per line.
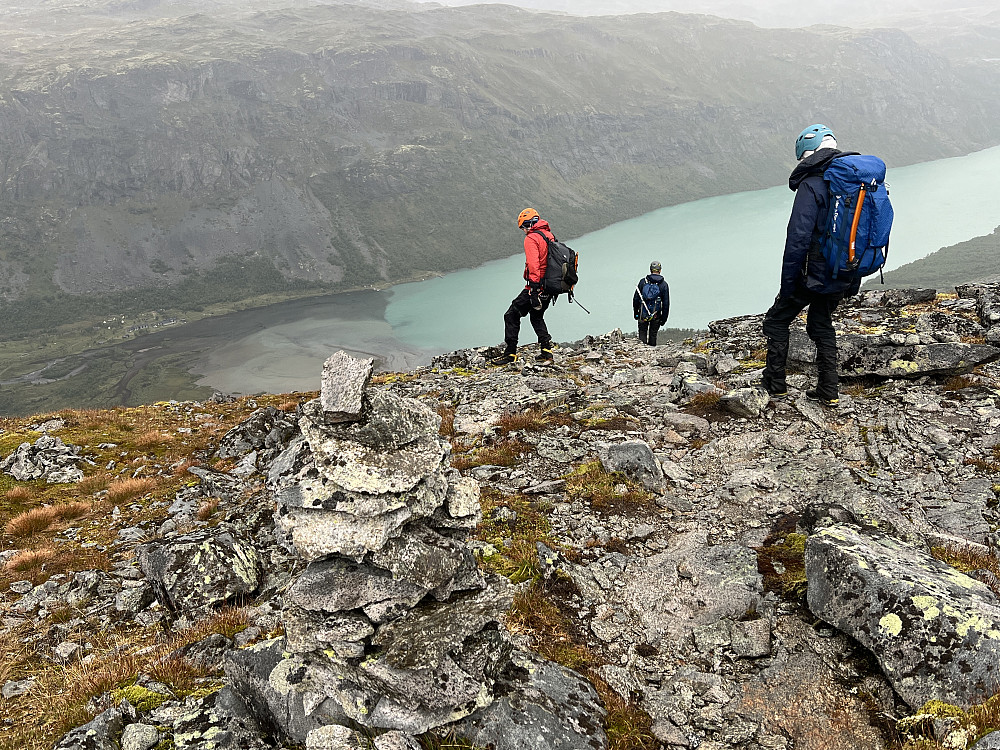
(806,281)
(651,311)
(533,300)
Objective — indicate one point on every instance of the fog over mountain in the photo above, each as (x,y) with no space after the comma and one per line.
(160,155)
(777,13)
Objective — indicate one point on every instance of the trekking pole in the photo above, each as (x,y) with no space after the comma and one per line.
(574,299)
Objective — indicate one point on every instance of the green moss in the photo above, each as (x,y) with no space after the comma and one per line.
(142,698)
(202,692)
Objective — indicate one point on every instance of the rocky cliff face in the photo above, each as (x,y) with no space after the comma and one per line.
(746,573)
(349,145)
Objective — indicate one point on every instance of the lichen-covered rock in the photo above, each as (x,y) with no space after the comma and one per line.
(635,460)
(934,631)
(49,458)
(102,733)
(339,585)
(746,402)
(203,569)
(266,430)
(261,675)
(540,706)
(428,667)
(343,386)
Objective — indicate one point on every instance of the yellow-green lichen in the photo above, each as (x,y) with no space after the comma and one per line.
(903,365)
(891,624)
(142,698)
(928,605)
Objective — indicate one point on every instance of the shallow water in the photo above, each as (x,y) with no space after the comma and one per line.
(721,257)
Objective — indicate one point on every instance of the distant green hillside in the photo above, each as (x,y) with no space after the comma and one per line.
(977,259)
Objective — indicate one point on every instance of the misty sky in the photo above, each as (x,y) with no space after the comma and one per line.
(766,12)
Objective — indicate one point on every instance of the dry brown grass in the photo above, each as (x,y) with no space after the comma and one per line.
(601,488)
(447,414)
(29,560)
(208,508)
(708,405)
(71,511)
(288,406)
(31,522)
(39,564)
(151,440)
(505,452)
(124,490)
(94,483)
(20,494)
(58,701)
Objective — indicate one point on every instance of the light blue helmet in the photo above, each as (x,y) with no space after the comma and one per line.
(810,138)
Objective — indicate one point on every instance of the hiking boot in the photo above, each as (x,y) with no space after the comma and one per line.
(507,358)
(772,390)
(545,355)
(813,395)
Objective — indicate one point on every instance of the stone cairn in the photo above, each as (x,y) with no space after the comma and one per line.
(391,625)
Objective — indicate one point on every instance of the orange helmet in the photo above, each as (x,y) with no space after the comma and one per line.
(527,216)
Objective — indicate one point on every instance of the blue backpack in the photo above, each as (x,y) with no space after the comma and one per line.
(856,241)
(651,301)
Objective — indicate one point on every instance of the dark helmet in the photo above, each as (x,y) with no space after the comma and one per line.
(810,138)
(655,267)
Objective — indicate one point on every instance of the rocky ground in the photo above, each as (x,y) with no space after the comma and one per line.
(632,547)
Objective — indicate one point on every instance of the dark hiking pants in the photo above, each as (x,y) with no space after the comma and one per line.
(647,331)
(519,307)
(819,327)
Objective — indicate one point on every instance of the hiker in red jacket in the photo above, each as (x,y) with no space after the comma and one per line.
(533,300)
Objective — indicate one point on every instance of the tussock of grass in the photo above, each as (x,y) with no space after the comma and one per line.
(707,405)
(94,484)
(447,414)
(208,508)
(29,560)
(31,522)
(517,556)
(601,488)
(532,420)
(59,699)
(505,452)
(957,383)
(124,490)
(19,494)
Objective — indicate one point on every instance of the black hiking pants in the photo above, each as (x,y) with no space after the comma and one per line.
(648,330)
(819,328)
(519,307)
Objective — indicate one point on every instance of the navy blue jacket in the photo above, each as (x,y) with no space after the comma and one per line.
(653,278)
(802,266)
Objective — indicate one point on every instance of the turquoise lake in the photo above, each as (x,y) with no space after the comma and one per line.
(721,257)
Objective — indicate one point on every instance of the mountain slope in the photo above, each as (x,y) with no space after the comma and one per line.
(974,260)
(338,145)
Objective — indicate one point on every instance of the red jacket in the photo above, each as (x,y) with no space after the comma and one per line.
(536,252)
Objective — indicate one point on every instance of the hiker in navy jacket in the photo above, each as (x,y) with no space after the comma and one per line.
(651,314)
(806,281)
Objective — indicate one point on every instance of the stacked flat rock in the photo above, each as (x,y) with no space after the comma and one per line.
(391,625)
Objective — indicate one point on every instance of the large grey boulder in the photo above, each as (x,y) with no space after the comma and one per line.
(266,430)
(206,568)
(102,733)
(48,458)
(428,667)
(266,680)
(636,461)
(934,631)
(541,706)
